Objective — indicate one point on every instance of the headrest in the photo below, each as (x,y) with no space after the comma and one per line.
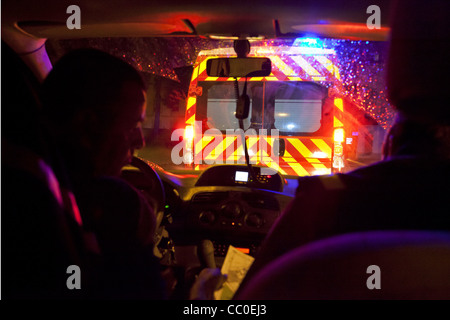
(419,58)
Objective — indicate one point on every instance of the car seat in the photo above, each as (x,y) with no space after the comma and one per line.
(372,265)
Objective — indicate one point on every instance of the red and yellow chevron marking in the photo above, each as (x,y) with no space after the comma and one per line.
(303,156)
(286,66)
(192,98)
(313,153)
(338,112)
(282,66)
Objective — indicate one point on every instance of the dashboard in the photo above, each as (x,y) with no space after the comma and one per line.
(227,204)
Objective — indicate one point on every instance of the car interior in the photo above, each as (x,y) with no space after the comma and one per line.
(199,214)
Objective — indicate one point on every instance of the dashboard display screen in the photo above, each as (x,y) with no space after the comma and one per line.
(241,176)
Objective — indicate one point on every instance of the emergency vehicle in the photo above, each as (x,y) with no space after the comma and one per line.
(317,126)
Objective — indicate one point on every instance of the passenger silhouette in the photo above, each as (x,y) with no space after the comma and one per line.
(93,106)
(409,189)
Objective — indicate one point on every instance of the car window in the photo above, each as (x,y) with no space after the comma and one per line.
(293,107)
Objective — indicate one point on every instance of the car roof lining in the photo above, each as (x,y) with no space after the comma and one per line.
(141,18)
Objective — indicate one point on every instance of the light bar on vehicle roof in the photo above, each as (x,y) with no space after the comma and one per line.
(311,45)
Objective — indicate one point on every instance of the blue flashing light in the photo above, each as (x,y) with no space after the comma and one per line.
(308,42)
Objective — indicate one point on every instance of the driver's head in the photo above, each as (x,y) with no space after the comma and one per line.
(95,104)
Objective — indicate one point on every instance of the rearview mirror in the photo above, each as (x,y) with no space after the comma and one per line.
(238,67)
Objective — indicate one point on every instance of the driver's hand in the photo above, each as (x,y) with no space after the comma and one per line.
(208,281)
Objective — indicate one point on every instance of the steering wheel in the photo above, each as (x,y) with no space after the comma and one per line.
(143,176)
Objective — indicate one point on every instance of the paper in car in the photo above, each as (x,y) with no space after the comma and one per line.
(235,265)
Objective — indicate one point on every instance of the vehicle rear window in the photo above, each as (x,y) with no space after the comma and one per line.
(292,107)
(298,106)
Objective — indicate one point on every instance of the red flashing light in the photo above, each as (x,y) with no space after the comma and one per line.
(189,133)
(339,135)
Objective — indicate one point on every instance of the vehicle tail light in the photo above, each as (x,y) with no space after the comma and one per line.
(189,133)
(189,144)
(338,151)
(339,135)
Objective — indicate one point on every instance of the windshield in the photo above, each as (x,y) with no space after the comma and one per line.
(292,107)
(295,108)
